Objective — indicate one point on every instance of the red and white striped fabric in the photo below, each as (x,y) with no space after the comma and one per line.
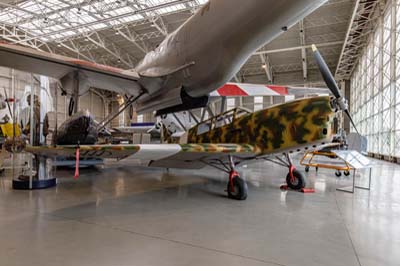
(245,89)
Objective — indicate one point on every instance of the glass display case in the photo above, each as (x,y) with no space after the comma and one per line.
(31,106)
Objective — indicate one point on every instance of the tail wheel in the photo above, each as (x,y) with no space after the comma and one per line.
(238,189)
(297,182)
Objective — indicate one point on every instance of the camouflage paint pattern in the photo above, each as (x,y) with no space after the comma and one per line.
(220,148)
(86,151)
(121,151)
(281,127)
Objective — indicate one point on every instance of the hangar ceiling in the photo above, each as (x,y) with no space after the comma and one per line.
(120,32)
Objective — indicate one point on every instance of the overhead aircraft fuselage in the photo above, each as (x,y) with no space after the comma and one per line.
(211,47)
(197,58)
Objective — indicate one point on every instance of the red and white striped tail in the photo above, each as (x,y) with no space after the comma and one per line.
(245,89)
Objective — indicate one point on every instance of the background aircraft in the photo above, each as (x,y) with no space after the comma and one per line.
(200,56)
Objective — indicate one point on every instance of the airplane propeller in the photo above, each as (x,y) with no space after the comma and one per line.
(332,85)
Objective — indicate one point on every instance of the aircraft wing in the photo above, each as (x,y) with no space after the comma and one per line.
(59,67)
(246,89)
(188,156)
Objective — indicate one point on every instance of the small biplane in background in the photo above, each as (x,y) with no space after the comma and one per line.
(234,137)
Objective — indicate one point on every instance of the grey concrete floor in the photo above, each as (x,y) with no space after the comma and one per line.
(121,215)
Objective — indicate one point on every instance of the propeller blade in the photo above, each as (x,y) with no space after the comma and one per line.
(331,83)
(326,73)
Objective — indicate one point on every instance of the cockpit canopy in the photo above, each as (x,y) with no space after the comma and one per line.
(221,120)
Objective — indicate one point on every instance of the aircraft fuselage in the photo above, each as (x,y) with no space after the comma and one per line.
(303,123)
(211,47)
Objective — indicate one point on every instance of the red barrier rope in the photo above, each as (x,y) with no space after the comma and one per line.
(76,164)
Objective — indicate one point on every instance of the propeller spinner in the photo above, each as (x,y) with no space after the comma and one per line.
(332,85)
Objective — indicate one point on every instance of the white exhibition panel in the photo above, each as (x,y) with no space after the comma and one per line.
(354,158)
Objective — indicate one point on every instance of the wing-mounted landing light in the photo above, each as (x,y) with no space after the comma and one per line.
(332,85)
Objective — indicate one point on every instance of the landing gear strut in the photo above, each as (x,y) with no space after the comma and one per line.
(295,179)
(237,187)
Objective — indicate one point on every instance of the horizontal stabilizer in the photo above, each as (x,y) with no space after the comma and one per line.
(246,89)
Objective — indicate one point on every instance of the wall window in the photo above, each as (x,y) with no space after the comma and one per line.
(230,103)
(258,103)
(375,86)
(140,118)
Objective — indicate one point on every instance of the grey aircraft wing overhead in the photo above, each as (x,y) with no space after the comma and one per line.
(200,56)
(65,68)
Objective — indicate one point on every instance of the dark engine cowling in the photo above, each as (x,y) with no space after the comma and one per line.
(188,103)
(80,128)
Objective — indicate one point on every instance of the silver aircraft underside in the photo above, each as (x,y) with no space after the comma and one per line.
(200,56)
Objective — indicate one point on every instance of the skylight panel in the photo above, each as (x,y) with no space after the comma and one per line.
(68,33)
(98,26)
(56,36)
(35,32)
(55,4)
(156,2)
(170,9)
(34,7)
(86,19)
(6,17)
(57,24)
(57,27)
(123,10)
(131,18)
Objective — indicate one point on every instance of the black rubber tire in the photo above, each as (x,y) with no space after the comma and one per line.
(316,169)
(346,173)
(240,187)
(338,173)
(307,169)
(300,181)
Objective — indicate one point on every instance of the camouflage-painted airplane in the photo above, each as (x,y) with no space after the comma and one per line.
(237,136)
(200,56)
(228,139)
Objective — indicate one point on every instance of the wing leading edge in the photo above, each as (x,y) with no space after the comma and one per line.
(57,66)
(190,156)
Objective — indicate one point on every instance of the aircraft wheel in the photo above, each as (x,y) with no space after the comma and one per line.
(298,182)
(338,173)
(316,168)
(240,189)
(346,173)
(307,169)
